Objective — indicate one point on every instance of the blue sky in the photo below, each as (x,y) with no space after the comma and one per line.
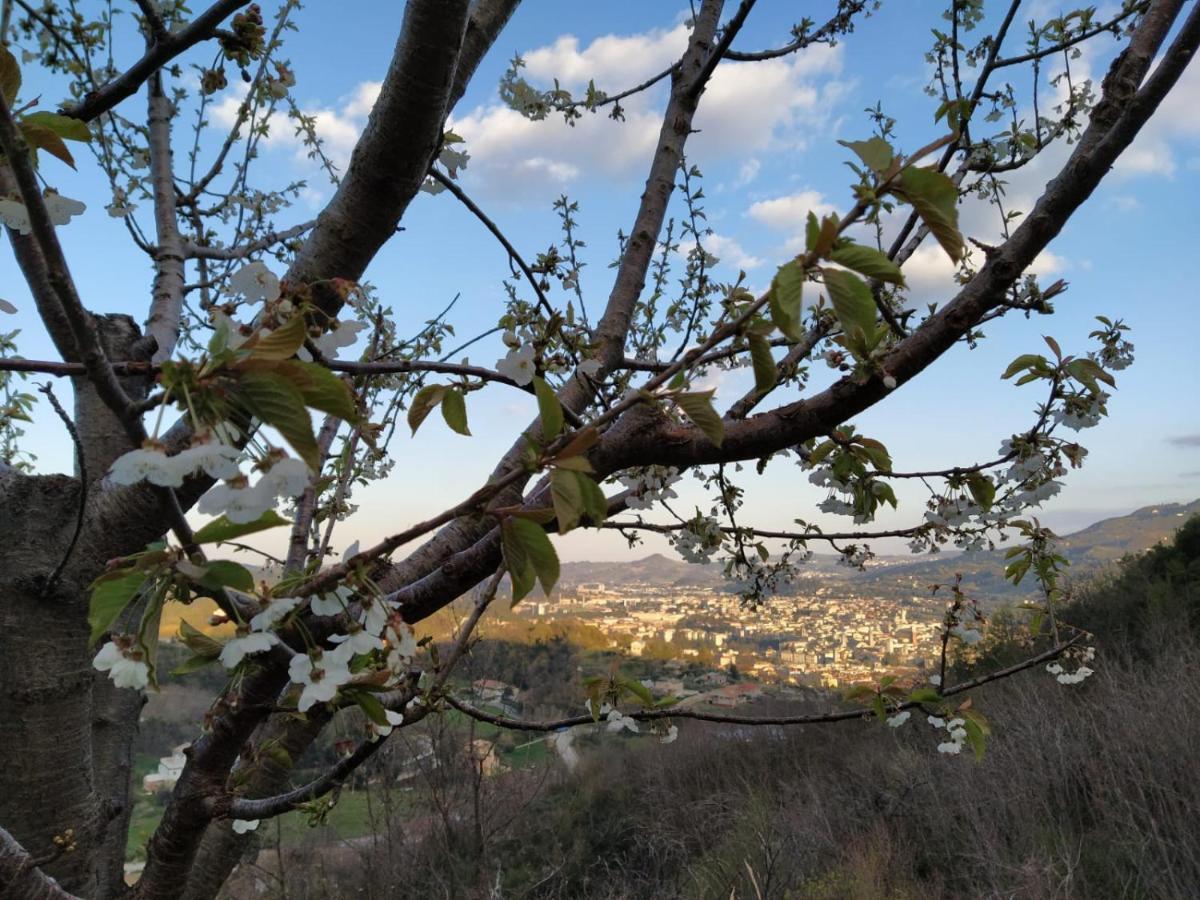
(768,151)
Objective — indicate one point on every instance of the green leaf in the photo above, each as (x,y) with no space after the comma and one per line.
(279,403)
(595,504)
(423,404)
(852,301)
(699,409)
(454,411)
(63,126)
(193,664)
(282,343)
(584,439)
(41,138)
(765,375)
(924,695)
(876,153)
(935,199)
(198,642)
(221,529)
(784,302)
(10,76)
(982,490)
(322,390)
(639,690)
(529,547)
(868,261)
(567,497)
(574,463)
(147,636)
(112,592)
(370,706)
(224,573)
(1025,361)
(549,409)
(520,568)
(976,736)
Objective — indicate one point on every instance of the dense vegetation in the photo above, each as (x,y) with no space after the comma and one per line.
(1086,791)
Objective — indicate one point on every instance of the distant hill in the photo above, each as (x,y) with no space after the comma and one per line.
(1088,550)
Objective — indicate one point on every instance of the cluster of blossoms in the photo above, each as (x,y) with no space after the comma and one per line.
(699,540)
(60,209)
(955,730)
(151,463)
(1082,671)
(242,502)
(648,485)
(1081,411)
(855,556)
(966,624)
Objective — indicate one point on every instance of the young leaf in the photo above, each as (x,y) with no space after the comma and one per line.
(423,404)
(567,497)
(322,389)
(876,153)
(595,504)
(982,490)
(62,126)
(765,375)
(198,642)
(868,261)
(282,343)
(111,593)
(549,409)
(852,301)
(698,408)
(370,706)
(41,138)
(520,568)
(221,529)
(537,551)
(280,404)
(787,288)
(224,573)
(454,411)
(935,198)
(10,76)
(584,439)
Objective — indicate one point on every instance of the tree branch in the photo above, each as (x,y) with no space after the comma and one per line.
(160,53)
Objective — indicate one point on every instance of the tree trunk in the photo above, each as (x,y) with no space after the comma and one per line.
(46,787)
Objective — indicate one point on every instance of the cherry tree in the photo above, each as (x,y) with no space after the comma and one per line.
(225,402)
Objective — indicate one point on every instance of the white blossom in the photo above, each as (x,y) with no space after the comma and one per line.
(241,826)
(124,670)
(670,736)
(238,504)
(381,731)
(899,718)
(14,214)
(518,365)
(618,721)
(356,642)
(247,644)
(61,209)
(215,459)
(151,465)
(274,612)
(341,334)
(287,477)
(321,676)
(949,747)
(255,281)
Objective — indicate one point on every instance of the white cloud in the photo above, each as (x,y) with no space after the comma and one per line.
(730,252)
(611,60)
(789,213)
